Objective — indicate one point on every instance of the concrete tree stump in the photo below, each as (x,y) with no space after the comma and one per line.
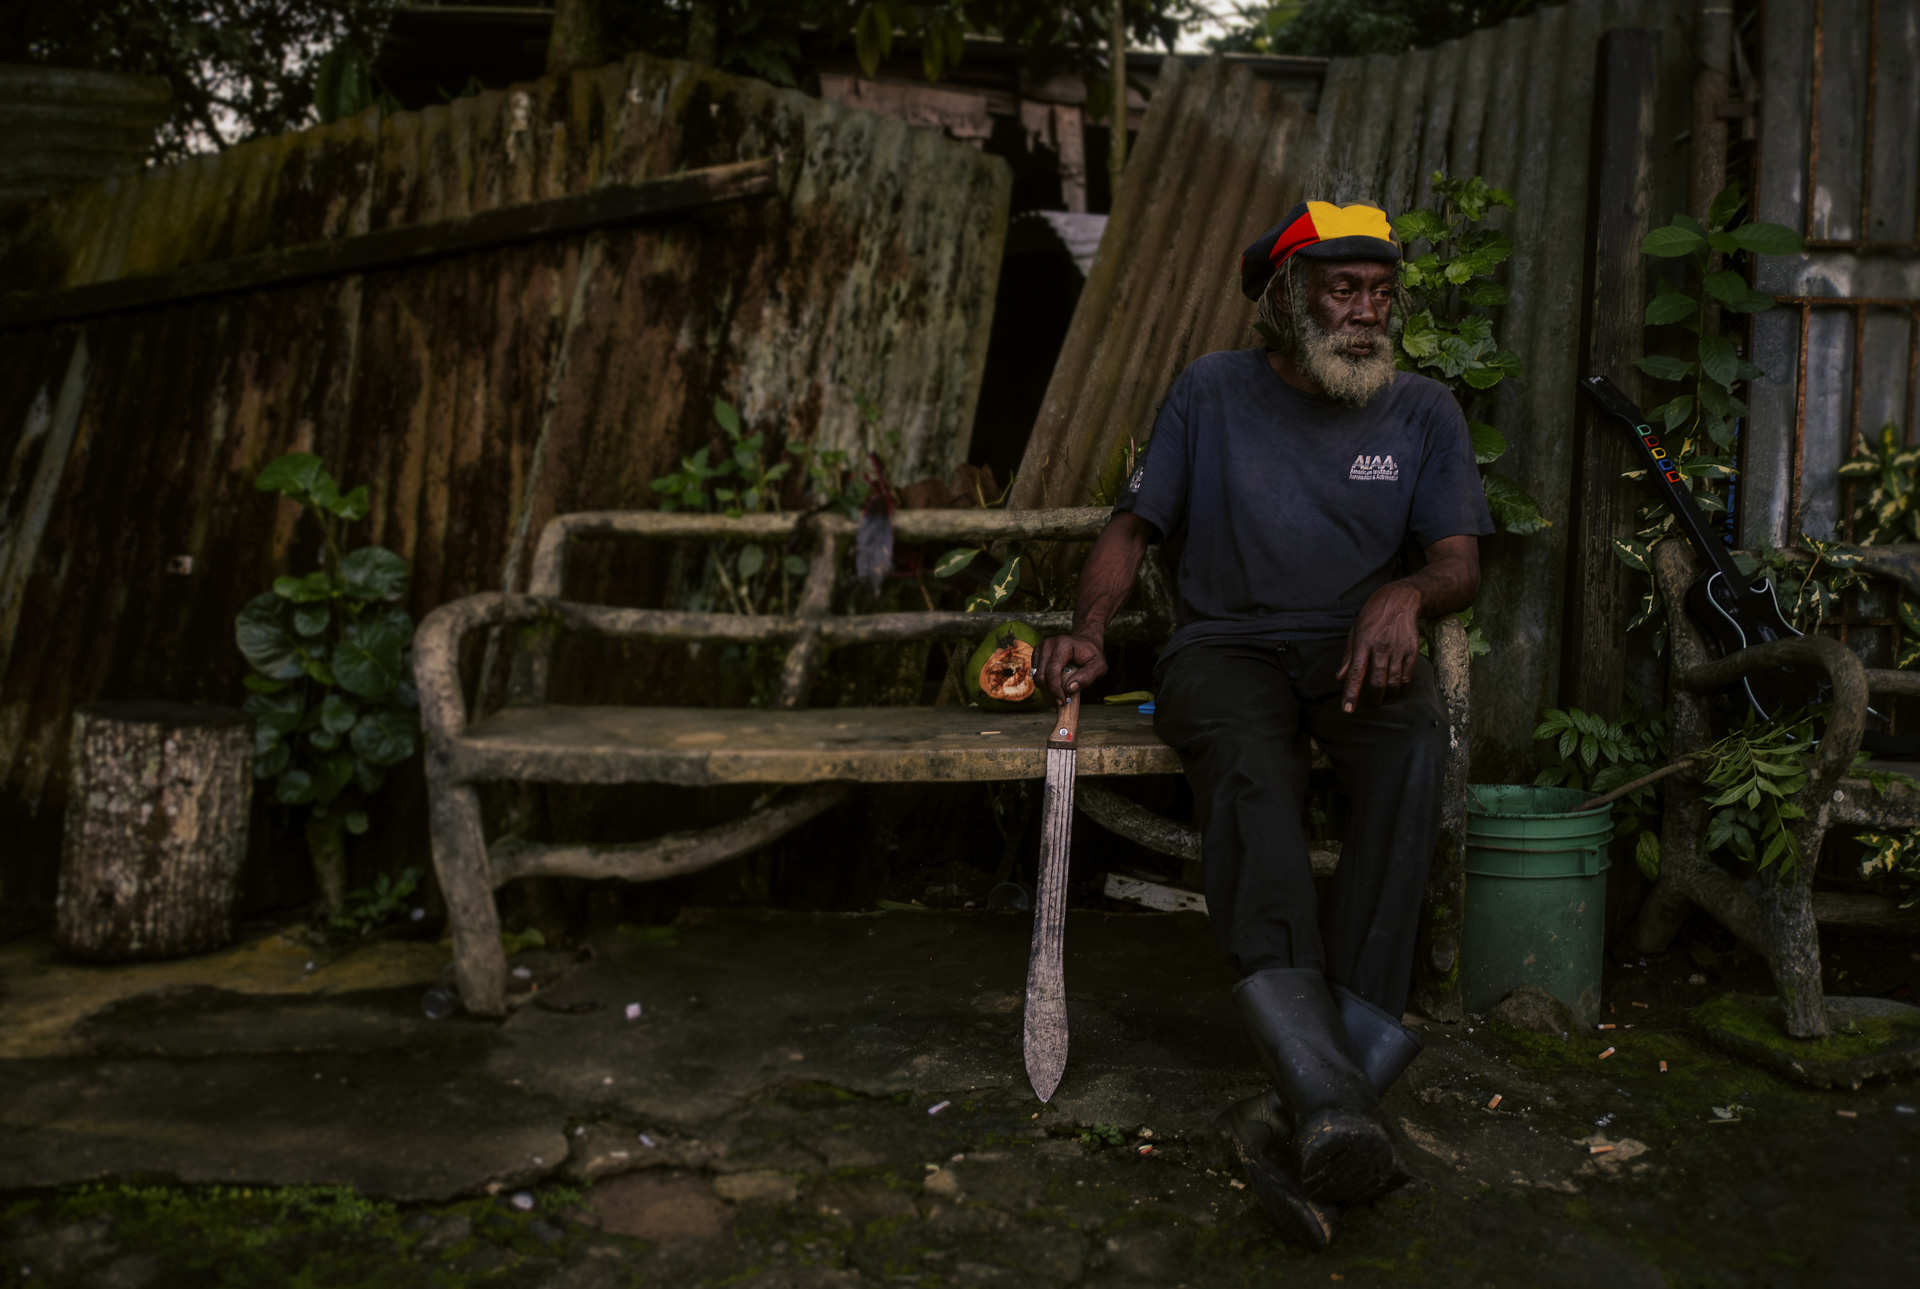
(156,830)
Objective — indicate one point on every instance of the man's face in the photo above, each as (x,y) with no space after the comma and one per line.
(1342,342)
(1352,300)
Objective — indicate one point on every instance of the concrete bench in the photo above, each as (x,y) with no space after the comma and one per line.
(816,755)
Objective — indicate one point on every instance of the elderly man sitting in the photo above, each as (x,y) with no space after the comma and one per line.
(1299,477)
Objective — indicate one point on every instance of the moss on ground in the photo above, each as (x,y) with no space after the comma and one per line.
(1757,1023)
(246,1237)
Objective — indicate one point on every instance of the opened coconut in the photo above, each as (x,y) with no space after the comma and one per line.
(1001,672)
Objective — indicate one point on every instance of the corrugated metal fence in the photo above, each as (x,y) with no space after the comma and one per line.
(475,396)
(1221,157)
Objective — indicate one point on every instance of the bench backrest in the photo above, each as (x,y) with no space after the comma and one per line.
(813,624)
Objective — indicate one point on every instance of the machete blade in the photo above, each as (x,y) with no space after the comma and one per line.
(1046,1019)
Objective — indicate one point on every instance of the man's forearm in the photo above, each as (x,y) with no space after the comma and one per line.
(1106,579)
(1450,579)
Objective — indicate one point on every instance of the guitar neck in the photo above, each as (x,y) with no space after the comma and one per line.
(1666,477)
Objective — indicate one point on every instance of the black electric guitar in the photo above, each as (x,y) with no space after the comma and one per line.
(1733,610)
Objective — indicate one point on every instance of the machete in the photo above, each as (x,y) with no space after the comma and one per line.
(1046,1036)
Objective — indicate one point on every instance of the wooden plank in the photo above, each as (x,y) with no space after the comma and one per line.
(702,746)
(1600,596)
(397,247)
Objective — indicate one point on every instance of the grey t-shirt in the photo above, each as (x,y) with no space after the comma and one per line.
(1295,508)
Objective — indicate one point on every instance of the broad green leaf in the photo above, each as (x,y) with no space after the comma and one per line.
(795,565)
(1722,243)
(295,475)
(1488,295)
(752,559)
(1726,204)
(1512,508)
(1646,854)
(279,713)
(374,573)
(356,822)
(729,419)
(1006,579)
(1671,306)
(332,775)
(337,714)
(1753,302)
(325,740)
(1767,239)
(352,506)
(955,561)
(262,630)
(259,684)
(1660,367)
(1481,376)
(1489,445)
(304,590)
(1633,555)
(311,619)
(1676,411)
(1726,286)
(368,662)
(294,789)
(1672,242)
(272,761)
(1420,226)
(1717,359)
(385,738)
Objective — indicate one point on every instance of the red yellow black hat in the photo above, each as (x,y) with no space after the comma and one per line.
(1318,230)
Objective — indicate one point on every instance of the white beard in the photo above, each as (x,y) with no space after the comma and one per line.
(1347,377)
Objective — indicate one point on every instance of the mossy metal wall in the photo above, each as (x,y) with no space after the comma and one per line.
(475,396)
(1222,156)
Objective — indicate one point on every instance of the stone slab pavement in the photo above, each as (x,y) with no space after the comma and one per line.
(768,1118)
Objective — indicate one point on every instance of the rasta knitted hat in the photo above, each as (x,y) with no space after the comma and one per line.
(1318,230)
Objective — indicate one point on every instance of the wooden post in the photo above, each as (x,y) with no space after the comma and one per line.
(1600,593)
(576,41)
(156,830)
(1117,116)
(1069,132)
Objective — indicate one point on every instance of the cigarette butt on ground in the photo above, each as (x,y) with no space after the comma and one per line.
(1495,1103)
(1848,1114)
(1642,1006)
(1604,1055)
(1607,1026)
(1598,1150)
(1663,1067)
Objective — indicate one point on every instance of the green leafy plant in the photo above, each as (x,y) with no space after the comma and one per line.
(1597,755)
(1757,768)
(1096,1135)
(369,908)
(1446,337)
(332,693)
(1893,855)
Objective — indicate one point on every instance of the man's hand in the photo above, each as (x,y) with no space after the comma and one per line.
(1106,579)
(1382,645)
(1384,641)
(1085,657)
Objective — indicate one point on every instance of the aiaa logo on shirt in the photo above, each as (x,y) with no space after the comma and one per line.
(1374,469)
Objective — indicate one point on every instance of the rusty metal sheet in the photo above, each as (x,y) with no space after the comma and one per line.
(476,396)
(1219,161)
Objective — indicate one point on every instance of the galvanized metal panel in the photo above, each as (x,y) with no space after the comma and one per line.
(475,396)
(1839,117)
(1513,104)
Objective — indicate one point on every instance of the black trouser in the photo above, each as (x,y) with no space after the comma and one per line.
(1240,713)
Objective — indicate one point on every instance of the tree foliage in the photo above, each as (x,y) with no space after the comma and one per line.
(239,69)
(331,684)
(1347,28)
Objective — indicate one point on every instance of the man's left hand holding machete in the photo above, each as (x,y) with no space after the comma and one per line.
(1297,476)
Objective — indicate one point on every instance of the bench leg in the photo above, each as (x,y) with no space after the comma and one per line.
(460,860)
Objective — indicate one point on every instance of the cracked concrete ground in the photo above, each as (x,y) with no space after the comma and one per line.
(766,1118)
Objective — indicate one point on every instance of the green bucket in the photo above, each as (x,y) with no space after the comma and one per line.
(1536,895)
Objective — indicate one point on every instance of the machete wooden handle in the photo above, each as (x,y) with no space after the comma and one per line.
(1066,724)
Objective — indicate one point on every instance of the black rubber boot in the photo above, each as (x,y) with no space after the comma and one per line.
(1382,1045)
(1341,1151)
(1259,1132)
